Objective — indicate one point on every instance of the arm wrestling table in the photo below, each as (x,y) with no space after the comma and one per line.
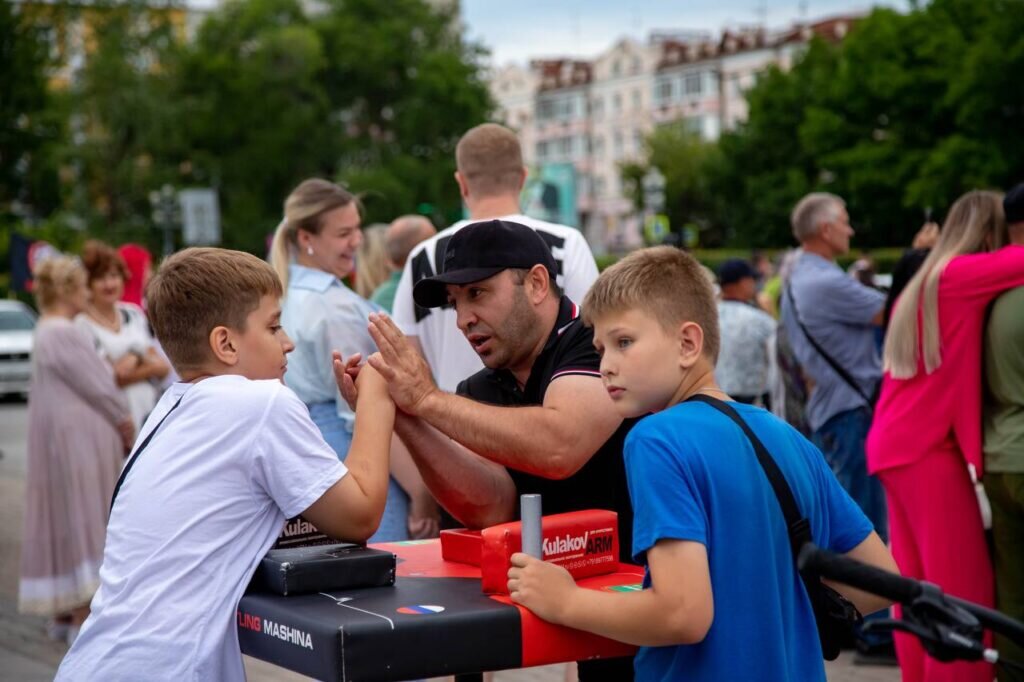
(434,621)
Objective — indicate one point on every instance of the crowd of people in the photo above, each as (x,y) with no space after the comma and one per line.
(464,367)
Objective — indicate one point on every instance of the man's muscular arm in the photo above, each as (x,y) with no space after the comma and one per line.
(475,491)
(553,440)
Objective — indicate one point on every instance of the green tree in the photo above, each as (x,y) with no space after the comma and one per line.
(27,125)
(685,160)
(909,112)
(371,94)
(254,118)
(118,116)
(406,86)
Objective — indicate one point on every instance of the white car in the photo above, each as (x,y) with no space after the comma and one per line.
(17,323)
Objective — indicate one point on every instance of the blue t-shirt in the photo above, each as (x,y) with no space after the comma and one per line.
(693,475)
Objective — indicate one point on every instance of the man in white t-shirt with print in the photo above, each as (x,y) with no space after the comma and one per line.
(491,174)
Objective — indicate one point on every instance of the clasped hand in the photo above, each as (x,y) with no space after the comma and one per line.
(406,372)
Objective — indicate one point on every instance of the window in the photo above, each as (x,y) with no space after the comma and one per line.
(693,124)
(542,151)
(663,92)
(692,84)
(616,68)
(16,320)
(617,103)
(618,144)
(545,110)
(597,108)
(597,146)
(636,100)
(638,140)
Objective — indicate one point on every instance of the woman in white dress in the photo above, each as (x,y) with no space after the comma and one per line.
(121,331)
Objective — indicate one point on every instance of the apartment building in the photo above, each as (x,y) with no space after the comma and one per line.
(596,114)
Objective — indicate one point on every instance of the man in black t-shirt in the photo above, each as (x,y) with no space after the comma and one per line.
(537,419)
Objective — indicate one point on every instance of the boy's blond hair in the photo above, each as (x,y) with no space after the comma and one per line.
(664,282)
(199,289)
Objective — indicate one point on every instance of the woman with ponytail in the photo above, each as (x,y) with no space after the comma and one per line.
(313,251)
(926,434)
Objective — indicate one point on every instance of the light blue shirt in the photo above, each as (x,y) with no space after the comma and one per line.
(321,314)
(837,311)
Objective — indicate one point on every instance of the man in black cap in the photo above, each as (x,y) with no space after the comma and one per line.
(537,419)
(746,331)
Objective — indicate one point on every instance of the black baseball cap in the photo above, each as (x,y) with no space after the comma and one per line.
(482,250)
(1013,205)
(733,270)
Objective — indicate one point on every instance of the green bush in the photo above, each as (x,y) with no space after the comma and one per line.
(885,259)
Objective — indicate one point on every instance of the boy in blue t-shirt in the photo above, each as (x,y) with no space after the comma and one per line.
(723,599)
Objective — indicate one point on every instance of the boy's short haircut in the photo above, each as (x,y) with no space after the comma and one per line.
(664,282)
(198,289)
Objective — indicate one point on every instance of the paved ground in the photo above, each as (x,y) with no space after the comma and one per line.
(27,656)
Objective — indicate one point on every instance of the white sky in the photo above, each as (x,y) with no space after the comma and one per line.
(525,29)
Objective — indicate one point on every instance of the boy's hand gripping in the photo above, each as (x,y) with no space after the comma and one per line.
(544,588)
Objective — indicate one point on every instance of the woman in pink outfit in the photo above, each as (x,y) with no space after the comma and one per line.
(927,426)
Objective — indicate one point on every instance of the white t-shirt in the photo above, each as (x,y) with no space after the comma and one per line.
(448,352)
(197,512)
(132,337)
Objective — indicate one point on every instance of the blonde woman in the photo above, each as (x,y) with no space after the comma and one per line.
(371,261)
(927,425)
(313,251)
(79,430)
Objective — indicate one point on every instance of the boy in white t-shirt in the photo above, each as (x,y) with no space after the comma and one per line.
(228,454)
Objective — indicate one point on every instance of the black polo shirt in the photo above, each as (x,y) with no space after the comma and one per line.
(601,483)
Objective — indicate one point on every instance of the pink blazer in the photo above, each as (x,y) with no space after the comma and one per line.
(943,410)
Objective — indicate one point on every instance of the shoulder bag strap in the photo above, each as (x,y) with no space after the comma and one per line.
(836,367)
(135,455)
(798,527)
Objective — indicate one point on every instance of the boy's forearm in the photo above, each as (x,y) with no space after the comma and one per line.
(638,618)
(367,459)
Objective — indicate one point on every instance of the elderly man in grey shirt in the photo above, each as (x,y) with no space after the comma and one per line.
(830,320)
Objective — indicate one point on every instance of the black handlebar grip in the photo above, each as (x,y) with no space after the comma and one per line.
(841,569)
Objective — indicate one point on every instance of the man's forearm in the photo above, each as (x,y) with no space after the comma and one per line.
(476,492)
(521,438)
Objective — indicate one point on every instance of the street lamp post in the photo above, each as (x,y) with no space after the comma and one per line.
(655,226)
(165,214)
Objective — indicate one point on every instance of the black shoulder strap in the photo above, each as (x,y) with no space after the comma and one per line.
(836,367)
(798,527)
(138,451)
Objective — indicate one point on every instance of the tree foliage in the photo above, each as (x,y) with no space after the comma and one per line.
(264,95)
(370,94)
(27,125)
(906,114)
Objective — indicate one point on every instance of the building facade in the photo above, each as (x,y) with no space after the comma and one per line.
(596,114)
